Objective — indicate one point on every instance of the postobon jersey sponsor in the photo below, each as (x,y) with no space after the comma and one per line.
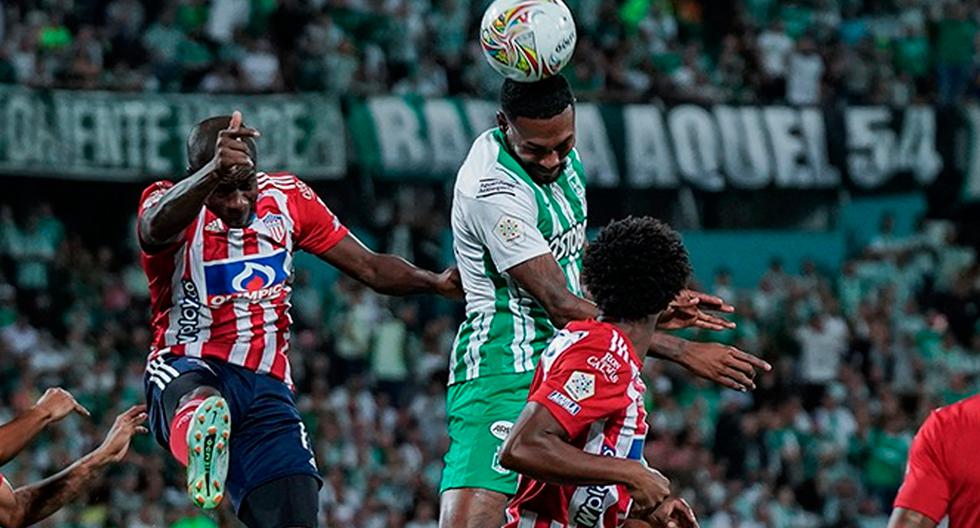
(569,243)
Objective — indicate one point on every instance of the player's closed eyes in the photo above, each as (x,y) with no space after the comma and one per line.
(228,188)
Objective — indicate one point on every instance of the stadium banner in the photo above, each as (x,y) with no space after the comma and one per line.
(132,137)
(865,148)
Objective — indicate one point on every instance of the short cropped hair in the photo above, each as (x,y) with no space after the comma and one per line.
(203,139)
(536,100)
(635,268)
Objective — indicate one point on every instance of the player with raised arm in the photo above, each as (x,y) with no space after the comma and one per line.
(33,503)
(578,443)
(519,217)
(943,475)
(217,249)
(52,407)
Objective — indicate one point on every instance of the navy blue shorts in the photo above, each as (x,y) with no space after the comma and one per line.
(268,438)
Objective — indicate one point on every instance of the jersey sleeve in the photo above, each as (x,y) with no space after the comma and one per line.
(150,196)
(503,217)
(585,384)
(317,228)
(926,488)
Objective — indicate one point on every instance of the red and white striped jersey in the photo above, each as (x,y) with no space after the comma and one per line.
(224,292)
(589,379)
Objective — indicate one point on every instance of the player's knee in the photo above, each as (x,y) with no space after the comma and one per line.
(471,508)
(204,391)
(289,502)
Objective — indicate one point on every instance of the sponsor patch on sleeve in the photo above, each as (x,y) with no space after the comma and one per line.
(509,229)
(564,402)
(580,385)
(493,186)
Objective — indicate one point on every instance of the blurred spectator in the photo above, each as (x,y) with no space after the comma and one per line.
(954,52)
(748,51)
(260,67)
(804,74)
(226,17)
(775,47)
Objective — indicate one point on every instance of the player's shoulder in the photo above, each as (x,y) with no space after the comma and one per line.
(596,333)
(284,182)
(482,176)
(962,416)
(153,192)
(593,342)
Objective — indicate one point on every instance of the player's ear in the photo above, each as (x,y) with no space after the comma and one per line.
(501,121)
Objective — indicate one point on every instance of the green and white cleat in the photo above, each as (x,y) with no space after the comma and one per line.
(207,452)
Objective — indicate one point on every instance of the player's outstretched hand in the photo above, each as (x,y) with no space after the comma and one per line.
(450,284)
(58,403)
(649,488)
(674,512)
(688,309)
(116,443)
(723,364)
(231,154)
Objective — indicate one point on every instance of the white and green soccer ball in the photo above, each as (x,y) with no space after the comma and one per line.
(527,40)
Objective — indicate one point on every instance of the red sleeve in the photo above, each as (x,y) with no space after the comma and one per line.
(317,228)
(577,393)
(151,195)
(926,488)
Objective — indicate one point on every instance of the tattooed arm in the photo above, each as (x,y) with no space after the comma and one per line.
(902,518)
(32,503)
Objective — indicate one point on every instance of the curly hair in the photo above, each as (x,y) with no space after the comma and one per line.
(536,100)
(635,268)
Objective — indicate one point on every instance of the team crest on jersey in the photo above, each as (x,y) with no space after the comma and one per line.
(276,225)
(580,385)
(254,278)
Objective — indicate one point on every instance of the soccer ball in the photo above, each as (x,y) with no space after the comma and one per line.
(527,40)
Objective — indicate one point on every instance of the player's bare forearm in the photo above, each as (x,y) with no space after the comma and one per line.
(669,347)
(35,502)
(163,222)
(537,447)
(16,434)
(389,274)
(722,364)
(903,518)
(544,280)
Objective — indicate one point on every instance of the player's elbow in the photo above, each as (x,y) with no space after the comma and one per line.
(520,451)
(562,309)
(369,274)
(14,513)
(150,229)
(510,456)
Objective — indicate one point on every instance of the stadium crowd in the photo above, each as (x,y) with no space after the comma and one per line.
(800,51)
(860,354)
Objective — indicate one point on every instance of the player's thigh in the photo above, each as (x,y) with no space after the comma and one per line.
(471,508)
(286,502)
(166,380)
(269,442)
(481,413)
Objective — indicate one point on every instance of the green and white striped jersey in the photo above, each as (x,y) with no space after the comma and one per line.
(500,219)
